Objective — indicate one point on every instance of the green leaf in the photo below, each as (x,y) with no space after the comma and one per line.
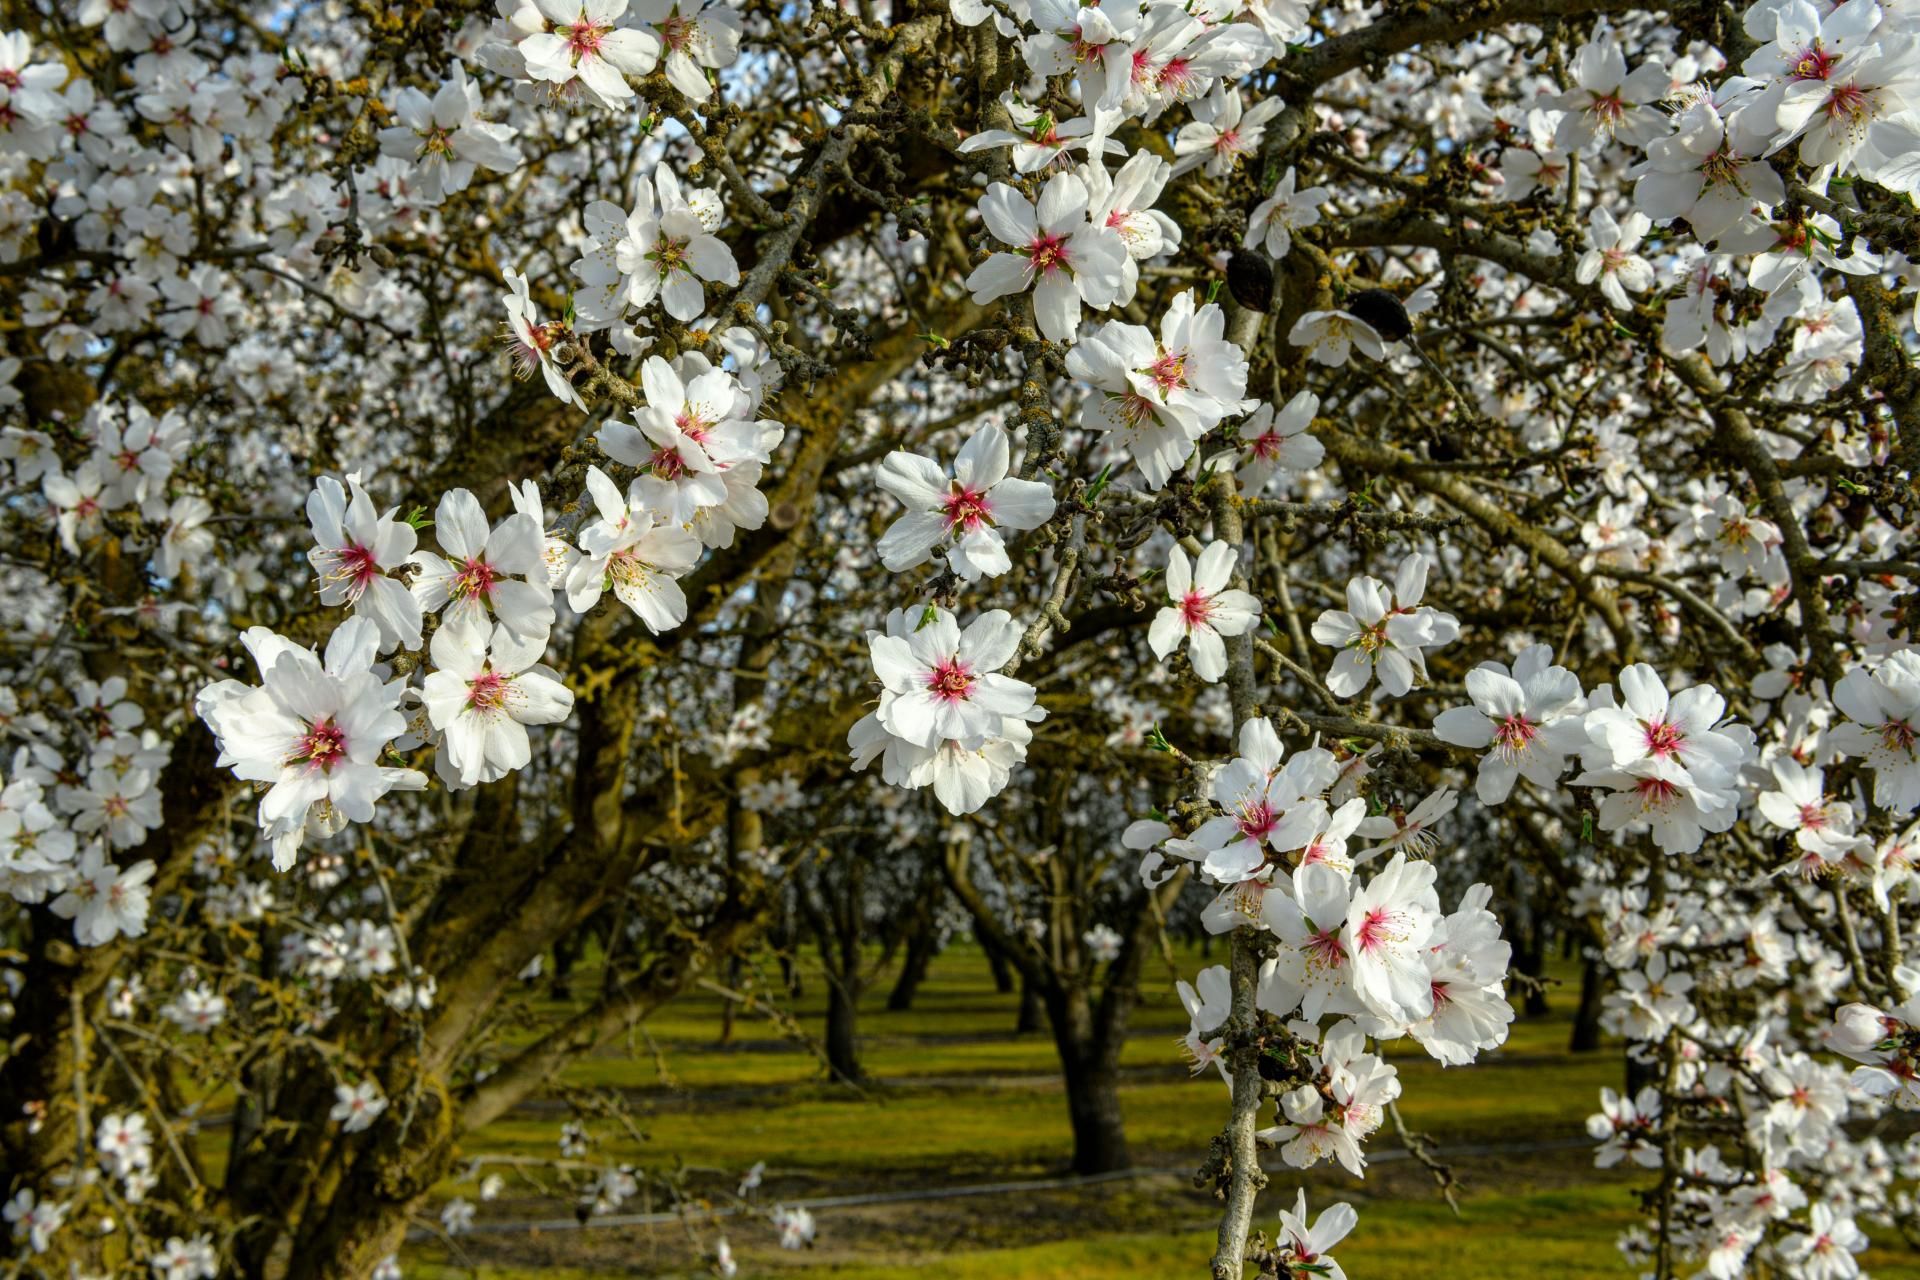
(1100,482)
(927,617)
(1213,290)
(418,519)
(1158,740)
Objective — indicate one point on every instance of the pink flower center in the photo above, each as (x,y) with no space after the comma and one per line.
(1195,609)
(1664,738)
(950,680)
(488,692)
(967,508)
(693,424)
(667,463)
(475,578)
(584,38)
(1324,949)
(323,745)
(1897,735)
(1813,817)
(1268,445)
(355,565)
(677,31)
(1256,820)
(1169,372)
(1376,930)
(1515,734)
(1814,63)
(1847,101)
(1655,792)
(1049,253)
(1608,109)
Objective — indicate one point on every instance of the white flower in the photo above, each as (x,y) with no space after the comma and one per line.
(1275,219)
(1883,711)
(1208,1002)
(1698,173)
(660,250)
(124,1143)
(1204,609)
(456,1216)
(1103,943)
(1530,716)
(1270,444)
(313,731)
(1825,1251)
(696,34)
(446,138)
(187,541)
(640,561)
(193,1259)
(1610,257)
(531,341)
(1222,133)
(483,695)
(1303,1249)
(1055,252)
(35,1221)
(967,509)
(1608,103)
(357,1106)
(795,1226)
(943,682)
(1332,335)
(582,40)
(106,901)
(1389,926)
(357,549)
(1384,633)
(485,572)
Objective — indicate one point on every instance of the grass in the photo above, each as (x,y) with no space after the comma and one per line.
(961,1099)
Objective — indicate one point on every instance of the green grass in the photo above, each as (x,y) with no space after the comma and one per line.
(964,1100)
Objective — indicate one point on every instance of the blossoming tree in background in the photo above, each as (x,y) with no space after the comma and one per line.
(1326,458)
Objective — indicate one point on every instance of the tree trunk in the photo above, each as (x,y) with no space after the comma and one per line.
(1586,1019)
(843,1057)
(1033,1009)
(921,949)
(1088,1066)
(1003,979)
(1099,1129)
(728,1007)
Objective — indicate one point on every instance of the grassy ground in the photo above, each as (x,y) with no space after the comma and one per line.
(959,1099)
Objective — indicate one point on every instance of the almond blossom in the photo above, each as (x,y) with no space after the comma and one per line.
(1052,250)
(313,732)
(484,691)
(627,552)
(1530,716)
(1384,632)
(485,574)
(1204,610)
(356,553)
(1275,219)
(966,509)
(583,39)
(1270,443)
(944,681)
